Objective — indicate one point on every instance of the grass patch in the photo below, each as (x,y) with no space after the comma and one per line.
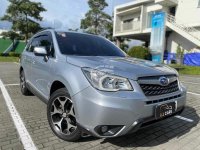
(20,47)
(188,70)
(4,44)
(9,59)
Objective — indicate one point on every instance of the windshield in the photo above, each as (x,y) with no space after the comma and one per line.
(86,45)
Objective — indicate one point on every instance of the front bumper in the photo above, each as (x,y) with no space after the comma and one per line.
(127,109)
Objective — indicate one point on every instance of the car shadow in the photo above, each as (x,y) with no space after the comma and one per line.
(155,134)
(158,133)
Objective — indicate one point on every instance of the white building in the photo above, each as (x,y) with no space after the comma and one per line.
(133,20)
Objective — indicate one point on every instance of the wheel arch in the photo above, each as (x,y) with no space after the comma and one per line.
(56,85)
(21,69)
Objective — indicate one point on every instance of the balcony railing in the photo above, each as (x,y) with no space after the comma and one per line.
(129,27)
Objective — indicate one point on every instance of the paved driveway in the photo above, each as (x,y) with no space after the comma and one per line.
(173,133)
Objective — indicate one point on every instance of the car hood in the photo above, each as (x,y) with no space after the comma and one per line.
(128,67)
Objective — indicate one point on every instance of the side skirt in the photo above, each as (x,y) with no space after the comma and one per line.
(41,97)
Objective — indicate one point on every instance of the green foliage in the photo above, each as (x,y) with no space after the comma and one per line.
(96,21)
(179,55)
(13,54)
(122,43)
(109,34)
(189,70)
(4,44)
(10,54)
(11,35)
(19,13)
(19,47)
(124,47)
(8,59)
(139,52)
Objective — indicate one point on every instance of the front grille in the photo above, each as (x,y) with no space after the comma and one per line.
(154,89)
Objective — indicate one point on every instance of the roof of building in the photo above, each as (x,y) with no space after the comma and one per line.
(134,3)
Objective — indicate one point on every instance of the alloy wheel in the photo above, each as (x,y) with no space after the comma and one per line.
(63,115)
(22,80)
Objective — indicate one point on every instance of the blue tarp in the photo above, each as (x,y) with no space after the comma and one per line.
(192,59)
(169,57)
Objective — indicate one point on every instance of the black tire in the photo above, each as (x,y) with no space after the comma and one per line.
(23,85)
(61,117)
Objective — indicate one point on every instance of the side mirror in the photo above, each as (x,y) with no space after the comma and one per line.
(40,51)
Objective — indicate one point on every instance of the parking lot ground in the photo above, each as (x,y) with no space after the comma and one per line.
(173,133)
(8,135)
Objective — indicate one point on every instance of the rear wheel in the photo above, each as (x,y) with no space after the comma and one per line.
(61,116)
(23,86)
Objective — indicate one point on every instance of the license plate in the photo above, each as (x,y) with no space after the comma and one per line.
(164,110)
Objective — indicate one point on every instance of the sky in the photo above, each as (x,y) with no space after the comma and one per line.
(63,14)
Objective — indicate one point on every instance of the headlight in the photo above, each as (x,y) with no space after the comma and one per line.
(106,82)
(181,86)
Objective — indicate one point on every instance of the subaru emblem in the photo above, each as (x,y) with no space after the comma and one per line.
(164,81)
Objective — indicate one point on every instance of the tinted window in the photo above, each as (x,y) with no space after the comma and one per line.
(27,48)
(34,43)
(44,40)
(86,45)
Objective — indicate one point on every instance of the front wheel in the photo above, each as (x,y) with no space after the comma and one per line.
(61,116)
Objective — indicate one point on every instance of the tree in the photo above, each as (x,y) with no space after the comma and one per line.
(139,52)
(96,21)
(122,43)
(12,36)
(109,28)
(22,13)
(179,54)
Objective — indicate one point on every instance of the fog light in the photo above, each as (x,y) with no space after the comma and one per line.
(104,129)
(108,130)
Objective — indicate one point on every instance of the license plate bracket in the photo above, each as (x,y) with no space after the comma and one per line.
(164,110)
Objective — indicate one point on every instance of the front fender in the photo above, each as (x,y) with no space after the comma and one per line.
(71,76)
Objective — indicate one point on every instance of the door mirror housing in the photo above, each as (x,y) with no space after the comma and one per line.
(40,51)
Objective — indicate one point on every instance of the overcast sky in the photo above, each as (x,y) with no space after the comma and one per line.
(63,14)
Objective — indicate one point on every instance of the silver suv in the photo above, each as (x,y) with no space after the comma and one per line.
(92,87)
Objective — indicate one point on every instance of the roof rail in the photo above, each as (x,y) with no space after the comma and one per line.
(45,29)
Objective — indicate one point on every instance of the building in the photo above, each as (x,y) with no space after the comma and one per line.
(133,20)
